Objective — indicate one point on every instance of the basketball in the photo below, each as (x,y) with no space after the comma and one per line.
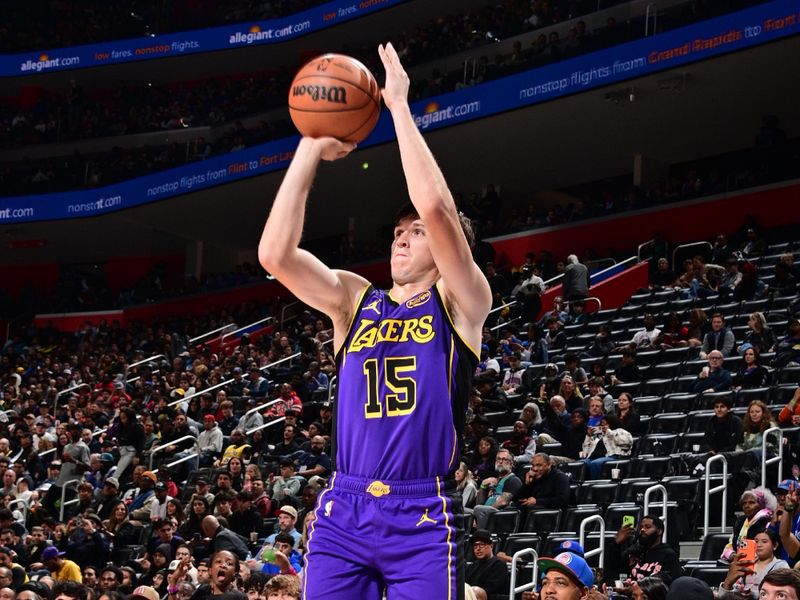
(336,96)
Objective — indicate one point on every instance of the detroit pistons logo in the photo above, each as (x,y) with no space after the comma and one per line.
(564,558)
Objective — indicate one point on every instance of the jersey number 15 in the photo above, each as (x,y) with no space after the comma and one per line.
(404,387)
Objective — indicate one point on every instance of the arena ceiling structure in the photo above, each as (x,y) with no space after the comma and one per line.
(699,110)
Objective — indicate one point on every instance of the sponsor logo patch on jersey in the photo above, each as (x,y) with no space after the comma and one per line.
(418,300)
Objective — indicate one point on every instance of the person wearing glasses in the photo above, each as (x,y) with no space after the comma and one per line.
(713,378)
(488,575)
(497,492)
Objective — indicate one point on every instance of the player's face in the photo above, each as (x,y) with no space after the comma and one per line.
(411,255)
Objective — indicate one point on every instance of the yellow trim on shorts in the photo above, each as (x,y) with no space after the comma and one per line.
(449,542)
(311,533)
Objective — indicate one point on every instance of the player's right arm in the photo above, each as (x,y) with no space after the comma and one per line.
(331,291)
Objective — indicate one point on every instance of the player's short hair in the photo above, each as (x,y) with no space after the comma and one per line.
(407,211)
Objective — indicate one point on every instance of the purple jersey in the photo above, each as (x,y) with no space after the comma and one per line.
(404,382)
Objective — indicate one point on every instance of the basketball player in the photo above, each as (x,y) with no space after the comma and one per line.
(405,356)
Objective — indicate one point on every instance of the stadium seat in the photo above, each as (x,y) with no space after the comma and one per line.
(656,386)
(601,494)
(682,403)
(683,384)
(660,445)
(745,396)
(624,465)
(630,490)
(576,470)
(668,423)
(615,512)
(654,467)
(693,367)
(542,521)
(690,439)
(713,576)
(789,375)
(648,405)
(647,358)
(520,541)
(576,514)
(666,370)
(503,523)
(707,401)
(782,394)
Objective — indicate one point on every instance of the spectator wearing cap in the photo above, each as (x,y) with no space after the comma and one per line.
(287,523)
(786,521)
(287,482)
(210,441)
(223,538)
(61,569)
(567,576)
(141,505)
(158,509)
(488,575)
(109,496)
(257,385)
(144,592)
(691,588)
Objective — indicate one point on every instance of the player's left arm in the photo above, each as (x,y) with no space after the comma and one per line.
(465,287)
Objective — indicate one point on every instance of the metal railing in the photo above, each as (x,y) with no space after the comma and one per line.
(649,492)
(64,504)
(46,452)
(505,323)
(723,487)
(283,312)
(66,391)
(212,332)
(585,300)
(265,425)
(642,247)
(647,19)
(259,408)
(24,505)
(506,305)
(248,326)
(685,246)
(514,590)
(775,459)
(158,449)
(614,266)
(601,549)
(332,384)
(143,361)
(596,263)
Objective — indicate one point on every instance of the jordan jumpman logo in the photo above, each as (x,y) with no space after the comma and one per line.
(425,519)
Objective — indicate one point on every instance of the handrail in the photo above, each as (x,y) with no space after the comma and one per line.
(584,300)
(552,279)
(64,495)
(46,452)
(283,312)
(513,590)
(212,332)
(647,19)
(138,377)
(601,550)
(768,461)
(227,381)
(99,432)
(647,493)
(24,504)
(143,361)
(505,323)
(720,488)
(622,262)
(235,331)
(265,425)
(506,305)
(157,449)
(62,392)
(598,261)
(642,246)
(684,246)
(259,408)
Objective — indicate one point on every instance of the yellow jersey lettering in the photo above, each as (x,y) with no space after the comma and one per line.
(369,335)
(423,333)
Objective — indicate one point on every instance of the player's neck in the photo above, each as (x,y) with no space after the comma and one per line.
(401,292)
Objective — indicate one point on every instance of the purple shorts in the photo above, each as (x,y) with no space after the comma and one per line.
(369,536)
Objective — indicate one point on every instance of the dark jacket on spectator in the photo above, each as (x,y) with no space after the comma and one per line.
(490,574)
(722,435)
(551,491)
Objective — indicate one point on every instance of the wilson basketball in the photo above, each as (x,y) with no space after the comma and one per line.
(335,95)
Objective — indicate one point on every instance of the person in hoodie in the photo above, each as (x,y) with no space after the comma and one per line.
(647,555)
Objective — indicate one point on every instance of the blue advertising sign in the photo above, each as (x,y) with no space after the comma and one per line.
(756,25)
(190,42)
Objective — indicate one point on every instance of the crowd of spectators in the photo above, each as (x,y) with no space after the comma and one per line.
(253,489)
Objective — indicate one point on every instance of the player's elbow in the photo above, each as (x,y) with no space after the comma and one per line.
(271,256)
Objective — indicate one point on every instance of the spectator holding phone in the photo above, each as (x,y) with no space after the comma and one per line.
(751,564)
(757,505)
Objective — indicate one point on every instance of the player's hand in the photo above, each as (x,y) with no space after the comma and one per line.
(332,149)
(395,91)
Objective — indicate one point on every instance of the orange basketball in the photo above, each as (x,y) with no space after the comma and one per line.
(335,95)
